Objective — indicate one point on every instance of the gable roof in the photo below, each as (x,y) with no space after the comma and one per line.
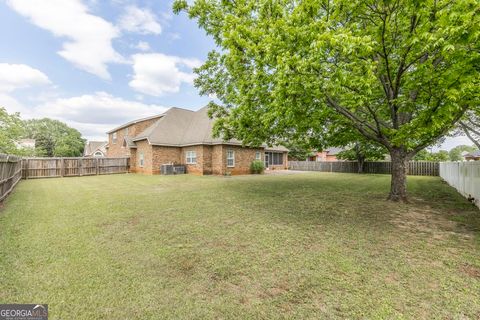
(92,146)
(135,121)
(181,127)
(474,154)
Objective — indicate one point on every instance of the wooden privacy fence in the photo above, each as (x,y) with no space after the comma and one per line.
(10,173)
(415,168)
(72,167)
(463,176)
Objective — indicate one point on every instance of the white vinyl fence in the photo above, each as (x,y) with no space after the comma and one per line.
(463,176)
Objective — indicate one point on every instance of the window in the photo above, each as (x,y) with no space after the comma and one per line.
(98,154)
(273,158)
(114,138)
(191,157)
(258,155)
(126,132)
(230,158)
(141,160)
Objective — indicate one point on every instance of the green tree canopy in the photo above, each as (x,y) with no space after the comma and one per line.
(402,73)
(424,155)
(54,138)
(470,125)
(11,130)
(455,154)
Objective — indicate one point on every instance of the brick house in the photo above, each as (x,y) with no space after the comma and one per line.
(326,155)
(181,136)
(472,156)
(95,149)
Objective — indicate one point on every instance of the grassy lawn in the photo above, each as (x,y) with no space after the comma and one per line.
(298,246)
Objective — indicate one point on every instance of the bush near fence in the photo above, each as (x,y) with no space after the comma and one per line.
(416,168)
(463,176)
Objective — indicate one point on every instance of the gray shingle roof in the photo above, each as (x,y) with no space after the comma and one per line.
(475,154)
(92,146)
(181,127)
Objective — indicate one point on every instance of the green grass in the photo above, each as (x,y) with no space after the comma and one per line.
(299,246)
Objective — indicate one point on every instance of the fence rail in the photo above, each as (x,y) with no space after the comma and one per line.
(10,173)
(72,167)
(416,168)
(463,176)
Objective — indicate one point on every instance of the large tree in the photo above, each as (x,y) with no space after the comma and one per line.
(470,126)
(402,73)
(11,130)
(54,138)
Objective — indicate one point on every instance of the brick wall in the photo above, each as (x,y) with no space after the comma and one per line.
(243,159)
(164,155)
(117,149)
(203,159)
(210,159)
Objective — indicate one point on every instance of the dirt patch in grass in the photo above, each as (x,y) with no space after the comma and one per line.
(425,219)
(470,270)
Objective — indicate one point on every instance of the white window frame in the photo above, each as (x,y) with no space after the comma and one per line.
(191,157)
(98,154)
(114,138)
(258,155)
(230,158)
(141,159)
(126,132)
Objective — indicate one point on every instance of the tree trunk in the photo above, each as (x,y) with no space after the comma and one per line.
(361,162)
(398,187)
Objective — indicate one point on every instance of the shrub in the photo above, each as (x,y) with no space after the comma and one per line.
(257,166)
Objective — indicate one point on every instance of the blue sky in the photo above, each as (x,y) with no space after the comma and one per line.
(95,64)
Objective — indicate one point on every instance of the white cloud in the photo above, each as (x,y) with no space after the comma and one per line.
(156,74)
(139,20)
(15,76)
(143,46)
(97,108)
(89,44)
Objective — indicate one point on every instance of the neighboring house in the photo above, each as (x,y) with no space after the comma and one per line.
(95,149)
(26,144)
(326,155)
(475,156)
(181,136)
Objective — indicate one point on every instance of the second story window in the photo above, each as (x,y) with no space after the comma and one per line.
(114,138)
(126,132)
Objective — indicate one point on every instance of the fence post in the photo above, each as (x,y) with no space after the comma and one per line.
(62,167)
(96,166)
(80,163)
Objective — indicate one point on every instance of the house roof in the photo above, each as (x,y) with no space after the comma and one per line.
(92,146)
(181,127)
(474,154)
(135,121)
(334,151)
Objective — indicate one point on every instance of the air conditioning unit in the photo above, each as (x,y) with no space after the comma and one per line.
(168,169)
(179,169)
